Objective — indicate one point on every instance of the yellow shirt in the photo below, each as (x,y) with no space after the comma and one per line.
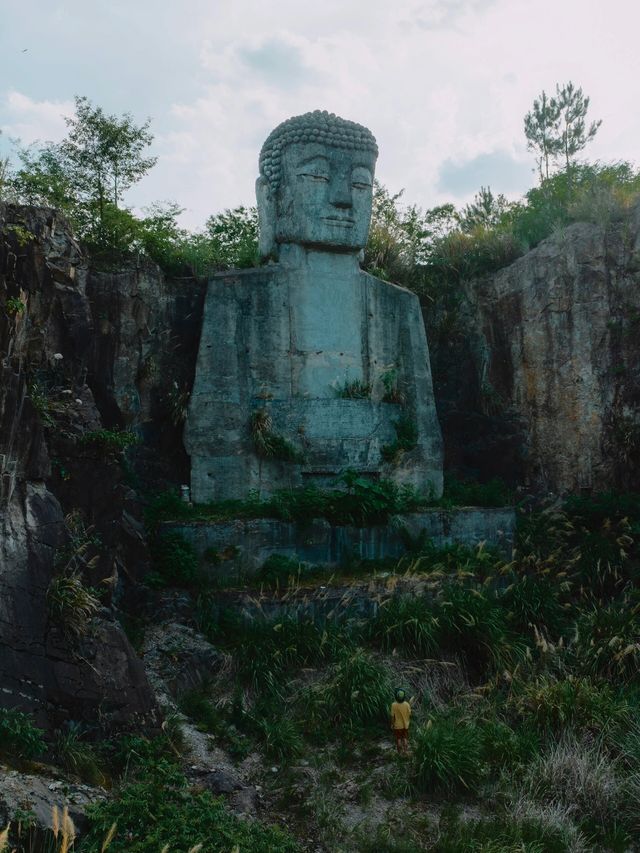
(400,715)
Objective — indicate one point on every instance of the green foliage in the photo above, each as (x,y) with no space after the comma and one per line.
(280,570)
(14,306)
(556,127)
(19,737)
(495,493)
(109,440)
(447,756)
(606,643)
(502,835)
(392,392)
(175,562)
(354,389)
(576,703)
(358,690)
(182,818)
(281,738)
(406,624)
(360,502)
(77,755)
(270,444)
(71,604)
(406,439)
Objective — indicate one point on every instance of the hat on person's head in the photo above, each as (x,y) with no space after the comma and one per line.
(400,694)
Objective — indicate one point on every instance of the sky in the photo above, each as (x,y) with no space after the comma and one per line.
(443,84)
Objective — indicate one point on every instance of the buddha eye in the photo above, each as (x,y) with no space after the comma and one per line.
(361,185)
(314,177)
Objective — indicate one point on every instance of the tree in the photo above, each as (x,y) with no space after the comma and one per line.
(486,210)
(541,130)
(573,107)
(556,127)
(104,154)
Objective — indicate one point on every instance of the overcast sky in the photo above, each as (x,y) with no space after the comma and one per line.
(443,84)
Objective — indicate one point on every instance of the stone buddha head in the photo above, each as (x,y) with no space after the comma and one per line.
(316,184)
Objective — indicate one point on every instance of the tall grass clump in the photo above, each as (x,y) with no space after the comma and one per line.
(447,756)
(19,736)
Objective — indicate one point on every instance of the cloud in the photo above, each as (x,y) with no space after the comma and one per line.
(445,14)
(35,121)
(278,61)
(499,170)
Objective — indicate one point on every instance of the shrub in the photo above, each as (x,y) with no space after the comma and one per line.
(71,605)
(19,737)
(109,440)
(279,570)
(196,704)
(174,560)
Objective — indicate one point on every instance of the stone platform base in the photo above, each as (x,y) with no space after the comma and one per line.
(240,547)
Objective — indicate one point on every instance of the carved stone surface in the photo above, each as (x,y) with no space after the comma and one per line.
(288,342)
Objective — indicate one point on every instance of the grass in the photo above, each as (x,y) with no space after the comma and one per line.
(71,604)
(19,736)
(355,501)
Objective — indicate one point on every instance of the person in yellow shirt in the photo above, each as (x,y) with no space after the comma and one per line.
(400,717)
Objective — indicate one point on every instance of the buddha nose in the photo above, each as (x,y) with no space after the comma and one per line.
(340,192)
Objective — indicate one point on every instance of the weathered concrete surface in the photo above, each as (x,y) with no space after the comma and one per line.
(280,343)
(45,408)
(243,546)
(561,325)
(281,340)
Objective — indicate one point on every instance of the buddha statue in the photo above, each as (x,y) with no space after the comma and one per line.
(308,366)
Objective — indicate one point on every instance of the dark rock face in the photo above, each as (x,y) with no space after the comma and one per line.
(540,382)
(46,406)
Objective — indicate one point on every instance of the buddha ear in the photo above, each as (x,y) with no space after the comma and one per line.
(266,218)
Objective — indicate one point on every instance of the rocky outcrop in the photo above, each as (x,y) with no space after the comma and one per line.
(541,381)
(144,348)
(47,473)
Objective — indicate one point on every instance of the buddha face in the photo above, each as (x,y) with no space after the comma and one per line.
(323,199)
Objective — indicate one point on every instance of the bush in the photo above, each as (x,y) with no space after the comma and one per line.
(281,738)
(19,737)
(534,602)
(174,561)
(280,570)
(109,440)
(495,493)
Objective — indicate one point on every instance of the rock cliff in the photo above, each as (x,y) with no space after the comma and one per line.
(539,381)
(69,373)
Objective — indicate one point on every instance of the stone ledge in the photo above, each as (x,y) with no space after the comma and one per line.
(243,545)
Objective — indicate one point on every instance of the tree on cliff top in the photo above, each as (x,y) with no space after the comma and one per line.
(556,127)
(87,173)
